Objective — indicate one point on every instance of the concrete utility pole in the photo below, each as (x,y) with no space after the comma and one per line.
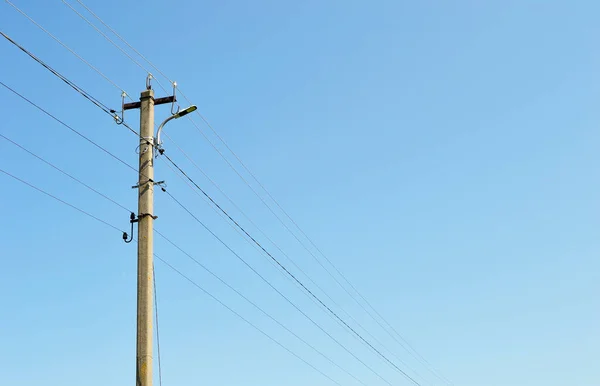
(145,220)
(145,241)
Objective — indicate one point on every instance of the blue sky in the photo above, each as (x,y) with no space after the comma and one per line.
(441,154)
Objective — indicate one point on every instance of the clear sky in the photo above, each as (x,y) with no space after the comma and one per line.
(442,154)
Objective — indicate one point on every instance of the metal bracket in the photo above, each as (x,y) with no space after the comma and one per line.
(149,181)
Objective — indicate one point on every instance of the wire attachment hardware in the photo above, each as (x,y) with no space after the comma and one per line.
(132,220)
(174,99)
(121,119)
(148,81)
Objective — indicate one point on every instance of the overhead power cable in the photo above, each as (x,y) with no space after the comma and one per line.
(157,326)
(168,240)
(393,333)
(288,258)
(175,270)
(86,95)
(114,44)
(256,306)
(106,37)
(120,206)
(377,351)
(143,57)
(65,173)
(65,46)
(410,348)
(195,189)
(59,200)
(123,40)
(72,84)
(67,126)
(249,266)
(246,320)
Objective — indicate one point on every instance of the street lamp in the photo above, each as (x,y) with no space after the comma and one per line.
(178,114)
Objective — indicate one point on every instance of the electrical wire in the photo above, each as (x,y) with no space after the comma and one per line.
(285,255)
(86,95)
(157,329)
(123,40)
(65,46)
(67,126)
(245,320)
(220,214)
(113,43)
(254,224)
(176,270)
(65,173)
(106,37)
(111,112)
(59,200)
(222,155)
(116,203)
(377,351)
(72,84)
(195,190)
(405,344)
(256,306)
(154,274)
(249,266)
(120,206)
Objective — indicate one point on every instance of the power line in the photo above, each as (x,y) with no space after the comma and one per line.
(112,42)
(236,229)
(157,329)
(273,287)
(123,40)
(245,320)
(247,183)
(154,277)
(63,172)
(59,200)
(220,212)
(65,46)
(378,352)
(106,37)
(254,224)
(126,209)
(72,84)
(257,306)
(117,204)
(67,126)
(418,355)
(174,269)
(413,352)
(81,91)
(214,131)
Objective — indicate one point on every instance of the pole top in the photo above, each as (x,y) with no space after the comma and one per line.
(147,94)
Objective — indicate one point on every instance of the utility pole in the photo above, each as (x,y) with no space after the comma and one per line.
(145,272)
(145,220)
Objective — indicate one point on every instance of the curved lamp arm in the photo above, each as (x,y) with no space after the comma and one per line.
(179,114)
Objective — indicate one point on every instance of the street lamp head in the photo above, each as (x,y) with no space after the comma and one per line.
(185,112)
(178,114)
